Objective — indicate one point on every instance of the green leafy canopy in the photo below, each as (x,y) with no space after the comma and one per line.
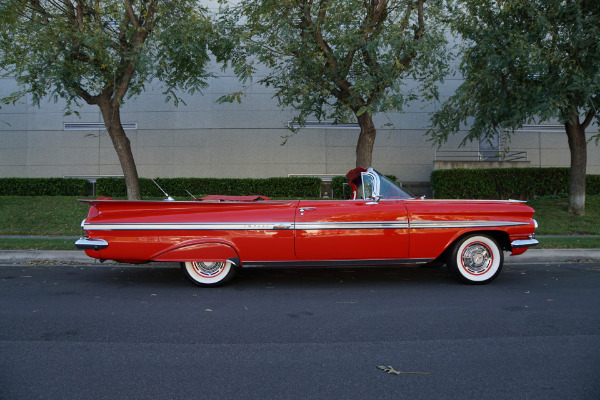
(78,49)
(337,59)
(523,62)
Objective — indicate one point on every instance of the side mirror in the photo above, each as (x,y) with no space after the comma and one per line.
(375,200)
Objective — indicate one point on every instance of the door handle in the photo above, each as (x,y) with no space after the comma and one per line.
(302,209)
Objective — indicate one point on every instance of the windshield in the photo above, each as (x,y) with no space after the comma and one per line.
(387,188)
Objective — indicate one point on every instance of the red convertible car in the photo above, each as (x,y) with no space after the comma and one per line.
(380,225)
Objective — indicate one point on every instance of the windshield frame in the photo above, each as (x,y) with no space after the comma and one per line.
(384,188)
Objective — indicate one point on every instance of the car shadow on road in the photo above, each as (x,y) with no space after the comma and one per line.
(159,275)
(329,276)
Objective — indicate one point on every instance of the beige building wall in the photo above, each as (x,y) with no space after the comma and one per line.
(206,139)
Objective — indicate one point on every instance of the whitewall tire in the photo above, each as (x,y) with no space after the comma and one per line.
(475,259)
(204,273)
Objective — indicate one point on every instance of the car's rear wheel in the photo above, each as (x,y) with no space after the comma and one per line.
(475,259)
(209,274)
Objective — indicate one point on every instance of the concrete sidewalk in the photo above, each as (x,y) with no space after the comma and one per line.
(79,256)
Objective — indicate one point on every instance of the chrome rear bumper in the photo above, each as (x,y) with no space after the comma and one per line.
(91,243)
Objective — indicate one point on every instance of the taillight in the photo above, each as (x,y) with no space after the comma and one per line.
(93,212)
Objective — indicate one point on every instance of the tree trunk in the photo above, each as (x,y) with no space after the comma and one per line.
(366,141)
(112,121)
(578,148)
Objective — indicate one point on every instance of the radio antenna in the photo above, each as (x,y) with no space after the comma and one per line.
(161,189)
(191,195)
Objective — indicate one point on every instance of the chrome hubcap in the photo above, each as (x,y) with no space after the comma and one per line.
(477,258)
(208,269)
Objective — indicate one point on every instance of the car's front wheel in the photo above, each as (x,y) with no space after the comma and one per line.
(203,273)
(475,259)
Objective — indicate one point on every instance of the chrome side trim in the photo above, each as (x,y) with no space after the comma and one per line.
(283,226)
(91,243)
(247,226)
(187,226)
(462,224)
(300,225)
(517,244)
(352,225)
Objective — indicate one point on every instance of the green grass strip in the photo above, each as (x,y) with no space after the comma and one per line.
(41,215)
(37,244)
(554,219)
(568,243)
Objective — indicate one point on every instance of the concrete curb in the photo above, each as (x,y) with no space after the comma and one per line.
(554,255)
(27,256)
(79,257)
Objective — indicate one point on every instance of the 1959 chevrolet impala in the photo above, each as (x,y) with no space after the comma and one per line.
(380,225)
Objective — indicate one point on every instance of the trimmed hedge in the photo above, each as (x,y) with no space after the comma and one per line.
(337,187)
(505,183)
(337,183)
(43,186)
(270,187)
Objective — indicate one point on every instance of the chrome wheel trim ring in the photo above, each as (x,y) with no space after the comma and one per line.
(208,269)
(477,258)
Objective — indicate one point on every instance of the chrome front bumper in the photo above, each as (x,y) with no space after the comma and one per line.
(518,244)
(91,243)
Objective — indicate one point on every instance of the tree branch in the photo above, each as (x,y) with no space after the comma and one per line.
(406,19)
(139,37)
(85,95)
(131,14)
(421,20)
(588,119)
(80,15)
(332,64)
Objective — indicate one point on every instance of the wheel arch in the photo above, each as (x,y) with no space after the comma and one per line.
(205,250)
(501,237)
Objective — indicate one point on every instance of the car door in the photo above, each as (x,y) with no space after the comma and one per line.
(351,229)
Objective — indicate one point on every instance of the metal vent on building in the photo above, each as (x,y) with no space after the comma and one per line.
(542,128)
(323,125)
(94,126)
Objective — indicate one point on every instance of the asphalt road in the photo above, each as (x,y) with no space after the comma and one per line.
(112,332)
